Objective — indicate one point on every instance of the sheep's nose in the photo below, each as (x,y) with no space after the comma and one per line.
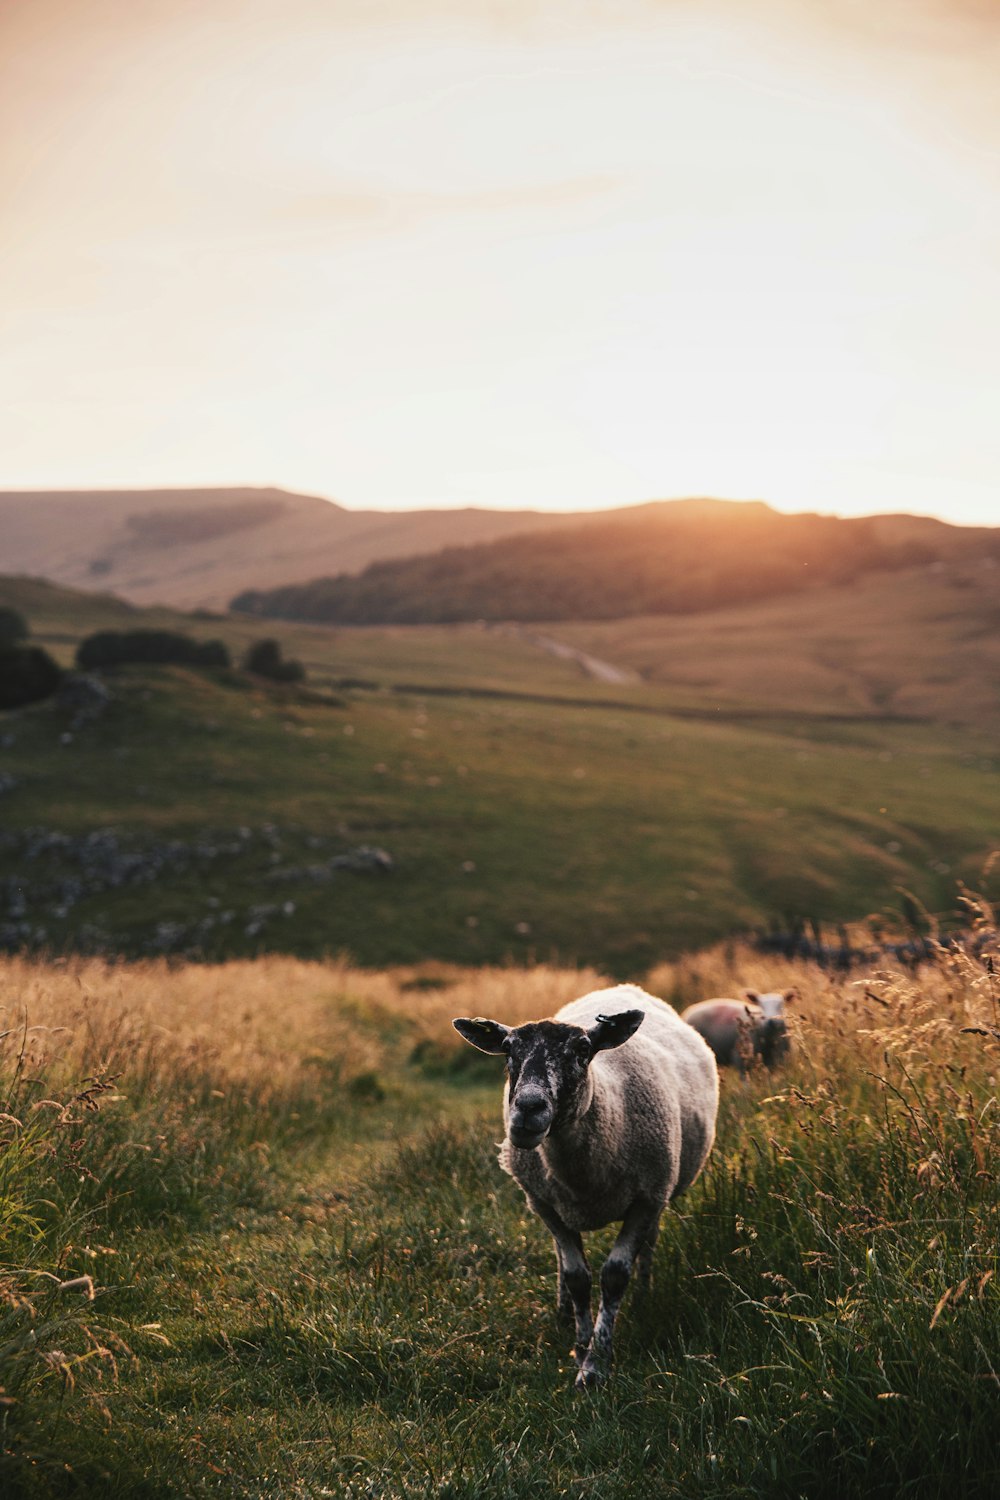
(530,1117)
(531,1106)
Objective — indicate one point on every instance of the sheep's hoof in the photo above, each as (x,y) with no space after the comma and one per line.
(588,1379)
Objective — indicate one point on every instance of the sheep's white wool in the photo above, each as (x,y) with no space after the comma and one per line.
(738,1031)
(610,1112)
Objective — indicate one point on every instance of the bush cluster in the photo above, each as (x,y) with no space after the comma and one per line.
(13,626)
(27,674)
(264,659)
(112,648)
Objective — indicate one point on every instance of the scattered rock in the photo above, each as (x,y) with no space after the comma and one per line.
(365,858)
(84,697)
(54,871)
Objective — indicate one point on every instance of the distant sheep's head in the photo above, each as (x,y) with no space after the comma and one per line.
(772,1028)
(547,1066)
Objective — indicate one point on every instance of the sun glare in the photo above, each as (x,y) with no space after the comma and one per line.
(690,250)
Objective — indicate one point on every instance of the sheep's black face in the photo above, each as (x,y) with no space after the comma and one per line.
(771,1041)
(547,1064)
(546,1068)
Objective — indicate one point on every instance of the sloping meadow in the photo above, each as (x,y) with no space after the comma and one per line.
(255,1242)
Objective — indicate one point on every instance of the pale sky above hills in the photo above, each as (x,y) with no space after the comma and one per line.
(564,254)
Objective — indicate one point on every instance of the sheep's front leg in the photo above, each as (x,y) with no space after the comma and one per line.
(574,1276)
(564,1297)
(638,1233)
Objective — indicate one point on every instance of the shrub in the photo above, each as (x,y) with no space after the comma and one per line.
(13,626)
(111,648)
(264,659)
(27,674)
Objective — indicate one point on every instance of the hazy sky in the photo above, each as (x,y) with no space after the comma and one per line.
(558,254)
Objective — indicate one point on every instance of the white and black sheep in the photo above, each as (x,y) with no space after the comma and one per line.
(739,1031)
(610,1112)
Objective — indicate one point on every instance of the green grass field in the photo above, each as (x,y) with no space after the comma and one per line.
(254,1239)
(308,1277)
(559,819)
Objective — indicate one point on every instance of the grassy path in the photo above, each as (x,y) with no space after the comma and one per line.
(309,1289)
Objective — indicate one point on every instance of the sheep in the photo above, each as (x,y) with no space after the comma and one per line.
(738,1031)
(602,1125)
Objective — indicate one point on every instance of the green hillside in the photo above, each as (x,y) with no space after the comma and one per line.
(528,813)
(670,558)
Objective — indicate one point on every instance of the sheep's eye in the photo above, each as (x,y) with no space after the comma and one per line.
(505,1045)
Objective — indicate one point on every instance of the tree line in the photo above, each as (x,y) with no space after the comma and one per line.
(671,561)
(29,674)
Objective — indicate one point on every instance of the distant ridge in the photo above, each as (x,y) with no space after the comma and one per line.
(668,557)
(285,553)
(196,548)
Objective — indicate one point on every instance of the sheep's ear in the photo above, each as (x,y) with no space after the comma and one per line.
(488,1036)
(611,1031)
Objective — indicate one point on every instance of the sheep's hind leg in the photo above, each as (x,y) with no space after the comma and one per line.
(638,1232)
(644,1256)
(574,1276)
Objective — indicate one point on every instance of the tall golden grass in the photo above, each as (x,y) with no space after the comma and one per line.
(838,1256)
(940,1012)
(263,1024)
(266,1023)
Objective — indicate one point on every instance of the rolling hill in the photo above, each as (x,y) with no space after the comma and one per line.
(671,557)
(815,754)
(194,549)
